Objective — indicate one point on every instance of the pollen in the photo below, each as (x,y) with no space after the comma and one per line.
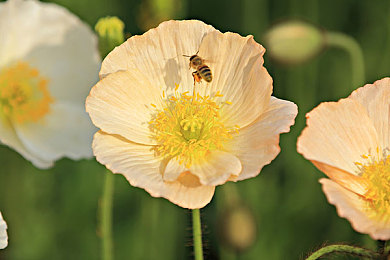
(23,93)
(189,127)
(377,173)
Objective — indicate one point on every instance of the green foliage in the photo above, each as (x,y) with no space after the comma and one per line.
(52,214)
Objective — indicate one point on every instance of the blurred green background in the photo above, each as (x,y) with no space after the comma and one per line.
(52,214)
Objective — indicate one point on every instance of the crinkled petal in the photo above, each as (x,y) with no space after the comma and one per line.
(21,24)
(142,169)
(173,170)
(338,134)
(258,144)
(122,103)
(9,137)
(353,207)
(3,233)
(347,180)
(376,99)
(238,73)
(158,54)
(214,169)
(65,131)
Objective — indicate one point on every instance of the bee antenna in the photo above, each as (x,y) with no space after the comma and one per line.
(186,55)
(197,52)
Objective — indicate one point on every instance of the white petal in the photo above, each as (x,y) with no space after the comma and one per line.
(71,66)
(159,53)
(173,169)
(65,131)
(352,207)
(376,99)
(3,233)
(142,169)
(338,134)
(214,169)
(121,103)
(347,180)
(25,25)
(258,144)
(9,137)
(238,74)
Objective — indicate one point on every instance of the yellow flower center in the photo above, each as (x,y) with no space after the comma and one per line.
(189,127)
(377,174)
(23,93)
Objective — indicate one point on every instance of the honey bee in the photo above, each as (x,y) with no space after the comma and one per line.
(202,71)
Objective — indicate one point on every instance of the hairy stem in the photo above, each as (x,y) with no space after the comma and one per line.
(197,234)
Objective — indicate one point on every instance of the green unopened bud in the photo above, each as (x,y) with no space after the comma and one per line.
(110,32)
(153,12)
(237,228)
(294,42)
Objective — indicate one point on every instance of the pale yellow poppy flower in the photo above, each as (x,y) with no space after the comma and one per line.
(174,145)
(48,61)
(3,233)
(349,141)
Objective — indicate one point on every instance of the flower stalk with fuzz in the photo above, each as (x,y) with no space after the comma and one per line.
(349,141)
(178,141)
(48,60)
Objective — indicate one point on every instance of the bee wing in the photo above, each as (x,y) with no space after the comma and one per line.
(210,61)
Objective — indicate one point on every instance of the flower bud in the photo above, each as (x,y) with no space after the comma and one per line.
(294,42)
(110,32)
(153,12)
(238,228)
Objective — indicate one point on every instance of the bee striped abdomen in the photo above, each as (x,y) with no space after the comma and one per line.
(205,73)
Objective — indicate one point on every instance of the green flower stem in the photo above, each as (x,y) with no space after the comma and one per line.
(343,249)
(197,234)
(352,47)
(106,216)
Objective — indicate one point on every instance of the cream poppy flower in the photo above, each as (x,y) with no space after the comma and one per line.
(3,233)
(48,61)
(172,144)
(349,141)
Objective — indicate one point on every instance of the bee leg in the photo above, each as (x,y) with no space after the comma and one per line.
(196,76)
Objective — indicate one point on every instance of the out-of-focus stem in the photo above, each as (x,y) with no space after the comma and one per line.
(352,47)
(106,217)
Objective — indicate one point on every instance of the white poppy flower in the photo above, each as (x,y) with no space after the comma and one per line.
(48,61)
(349,141)
(3,233)
(175,144)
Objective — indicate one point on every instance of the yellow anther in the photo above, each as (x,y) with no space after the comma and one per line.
(218,94)
(188,128)
(23,93)
(377,174)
